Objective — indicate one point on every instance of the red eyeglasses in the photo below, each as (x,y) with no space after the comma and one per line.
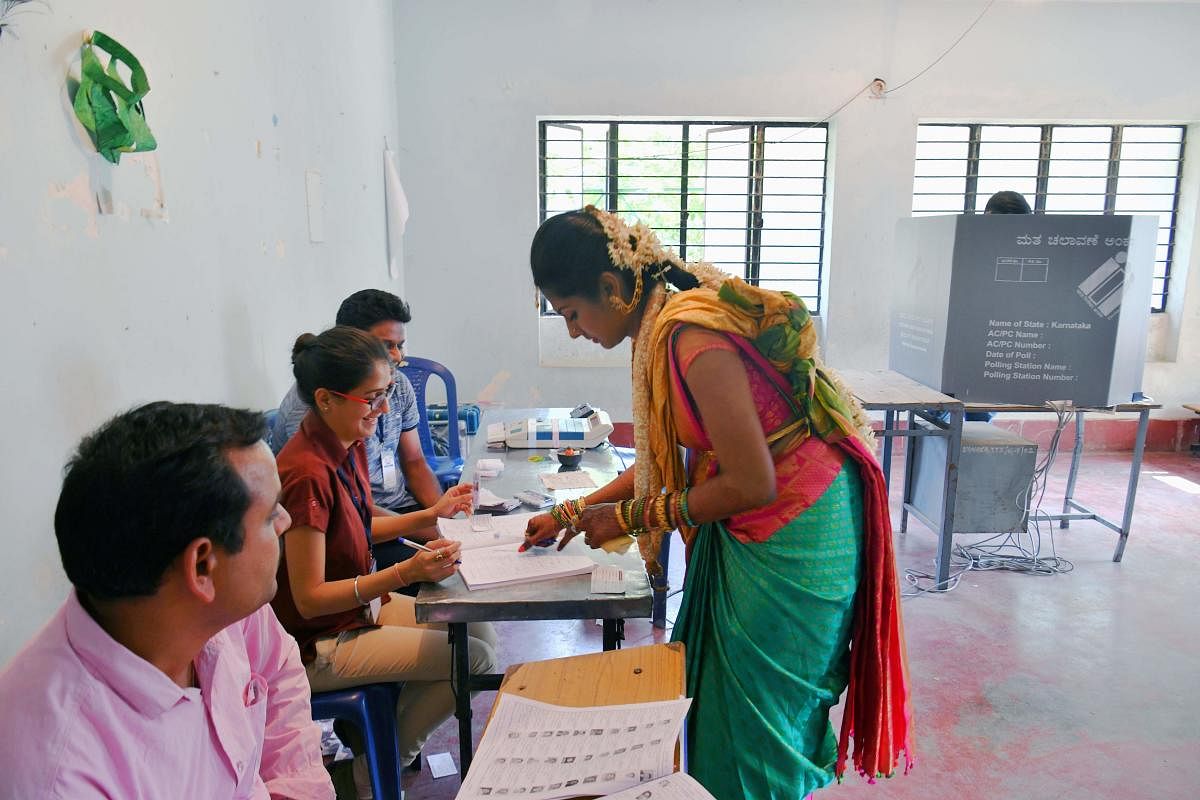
(374,404)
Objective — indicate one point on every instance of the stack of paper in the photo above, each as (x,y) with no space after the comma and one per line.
(488,467)
(544,751)
(506,530)
(493,503)
(488,567)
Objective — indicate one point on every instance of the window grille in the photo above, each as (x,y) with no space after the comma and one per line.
(1061,169)
(747,196)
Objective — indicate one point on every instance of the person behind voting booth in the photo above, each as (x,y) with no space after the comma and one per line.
(165,673)
(401,480)
(352,626)
(781,504)
(1007,202)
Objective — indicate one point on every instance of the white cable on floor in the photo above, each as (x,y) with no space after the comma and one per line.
(1008,550)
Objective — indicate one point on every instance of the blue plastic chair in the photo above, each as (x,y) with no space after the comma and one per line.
(270,415)
(372,709)
(448,469)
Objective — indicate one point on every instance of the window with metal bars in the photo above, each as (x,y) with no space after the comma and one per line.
(747,196)
(1061,169)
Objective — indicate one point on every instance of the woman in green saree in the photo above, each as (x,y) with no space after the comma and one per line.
(791,592)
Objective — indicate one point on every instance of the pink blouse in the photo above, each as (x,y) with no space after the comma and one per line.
(802,474)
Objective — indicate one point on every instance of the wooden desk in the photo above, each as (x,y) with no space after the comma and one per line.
(888,391)
(638,675)
(452,603)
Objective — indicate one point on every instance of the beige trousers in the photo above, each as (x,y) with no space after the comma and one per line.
(402,649)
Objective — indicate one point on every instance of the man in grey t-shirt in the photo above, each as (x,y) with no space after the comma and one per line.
(401,480)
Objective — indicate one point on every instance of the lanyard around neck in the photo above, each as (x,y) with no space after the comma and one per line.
(360,495)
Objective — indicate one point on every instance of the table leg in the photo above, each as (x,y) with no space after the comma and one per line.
(460,684)
(889,421)
(909,460)
(1076,453)
(660,586)
(1135,470)
(614,633)
(949,495)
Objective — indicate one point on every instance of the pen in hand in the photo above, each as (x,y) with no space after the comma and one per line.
(528,543)
(421,547)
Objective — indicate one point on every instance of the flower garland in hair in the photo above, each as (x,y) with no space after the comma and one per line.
(636,248)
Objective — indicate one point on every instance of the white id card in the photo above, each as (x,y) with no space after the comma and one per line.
(387,460)
(372,608)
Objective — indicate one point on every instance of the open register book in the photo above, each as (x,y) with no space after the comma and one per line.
(486,567)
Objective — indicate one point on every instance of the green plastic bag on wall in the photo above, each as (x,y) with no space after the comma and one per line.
(109,110)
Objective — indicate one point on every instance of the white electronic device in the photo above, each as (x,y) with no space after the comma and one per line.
(581,432)
(535,499)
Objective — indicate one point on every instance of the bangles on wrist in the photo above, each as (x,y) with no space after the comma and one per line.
(684,516)
(397,575)
(569,512)
(658,514)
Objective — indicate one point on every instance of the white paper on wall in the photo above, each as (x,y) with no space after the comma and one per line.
(396,209)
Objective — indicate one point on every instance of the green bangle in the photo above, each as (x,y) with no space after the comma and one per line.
(687,518)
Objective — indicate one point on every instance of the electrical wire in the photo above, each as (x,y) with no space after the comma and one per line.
(801,129)
(706,149)
(1014,550)
(947,51)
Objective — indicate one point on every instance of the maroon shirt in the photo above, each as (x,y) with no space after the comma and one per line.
(317,497)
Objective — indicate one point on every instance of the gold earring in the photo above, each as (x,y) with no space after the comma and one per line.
(623,308)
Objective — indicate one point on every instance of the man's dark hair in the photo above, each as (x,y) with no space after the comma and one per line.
(370,307)
(1007,202)
(143,486)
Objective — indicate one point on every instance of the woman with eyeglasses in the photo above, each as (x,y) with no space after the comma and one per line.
(351,625)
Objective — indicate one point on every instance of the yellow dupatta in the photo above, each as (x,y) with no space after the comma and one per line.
(779,326)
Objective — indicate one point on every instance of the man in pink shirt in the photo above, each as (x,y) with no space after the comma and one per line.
(165,672)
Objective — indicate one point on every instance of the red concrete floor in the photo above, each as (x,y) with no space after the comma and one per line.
(1077,686)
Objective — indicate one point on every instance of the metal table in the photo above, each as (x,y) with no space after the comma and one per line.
(452,603)
(890,392)
(1070,505)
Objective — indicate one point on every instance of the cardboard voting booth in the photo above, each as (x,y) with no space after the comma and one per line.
(1024,308)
